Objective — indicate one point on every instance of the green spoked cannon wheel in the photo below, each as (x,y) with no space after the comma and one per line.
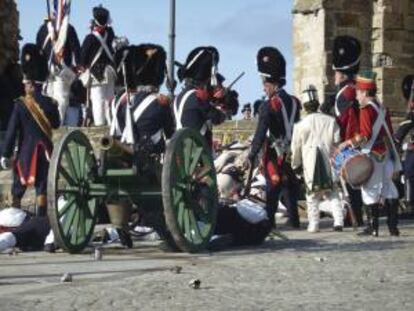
(189,190)
(72,211)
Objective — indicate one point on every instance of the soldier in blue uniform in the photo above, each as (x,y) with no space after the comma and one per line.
(62,63)
(33,118)
(275,125)
(406,128)
(194,107)
(97,61)
(151,112)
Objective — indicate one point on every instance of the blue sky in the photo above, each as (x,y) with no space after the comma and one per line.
(238,28)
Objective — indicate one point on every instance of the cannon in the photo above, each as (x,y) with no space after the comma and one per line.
(175,192)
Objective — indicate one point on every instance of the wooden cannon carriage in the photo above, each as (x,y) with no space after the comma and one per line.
(175,193)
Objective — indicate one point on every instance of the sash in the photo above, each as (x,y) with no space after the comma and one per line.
(381,113)
(38,115)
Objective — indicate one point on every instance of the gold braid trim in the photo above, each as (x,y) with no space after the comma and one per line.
(38,115)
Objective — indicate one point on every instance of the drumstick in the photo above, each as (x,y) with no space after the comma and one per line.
(348,204)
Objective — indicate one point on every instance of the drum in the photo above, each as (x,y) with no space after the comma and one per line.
(354,167)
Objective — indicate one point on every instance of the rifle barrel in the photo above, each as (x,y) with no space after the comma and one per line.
(236,80)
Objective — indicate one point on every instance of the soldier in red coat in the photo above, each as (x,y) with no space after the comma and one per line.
(375,138)
(344,107)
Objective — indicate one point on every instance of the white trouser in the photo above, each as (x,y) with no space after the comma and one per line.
(380,185)
(314,200)
(7,240)
(59,90)
(101,96)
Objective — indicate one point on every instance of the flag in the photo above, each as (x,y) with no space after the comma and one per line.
(61,11)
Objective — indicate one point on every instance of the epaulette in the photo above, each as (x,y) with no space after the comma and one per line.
(163,100)
(202,95)
(275,103)
(349,93)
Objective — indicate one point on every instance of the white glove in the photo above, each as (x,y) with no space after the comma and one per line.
(5,163)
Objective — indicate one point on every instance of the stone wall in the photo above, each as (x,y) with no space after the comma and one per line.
(309,46)
(393,48)
(9,32)
(384,27)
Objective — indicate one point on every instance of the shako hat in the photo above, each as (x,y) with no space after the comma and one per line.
(101,16)
(246,107)
(365,80)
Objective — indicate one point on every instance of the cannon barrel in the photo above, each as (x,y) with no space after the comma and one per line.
(115,149)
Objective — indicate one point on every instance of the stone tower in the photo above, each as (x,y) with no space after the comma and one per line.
(384,27)
(9,33)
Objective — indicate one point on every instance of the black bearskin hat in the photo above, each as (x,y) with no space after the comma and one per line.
(101,15)
(407,85)
(34,63)
(346,54)
(150,65)
(126,60)
(201,65)
(271,65)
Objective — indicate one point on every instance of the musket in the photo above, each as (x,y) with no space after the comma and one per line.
(87,115)
(48,9)
(235,81)
(170,77)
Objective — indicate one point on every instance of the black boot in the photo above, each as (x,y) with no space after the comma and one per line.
(375,219)
(368,228)
(392,217)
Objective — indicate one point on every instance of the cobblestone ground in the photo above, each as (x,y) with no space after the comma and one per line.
(324,271)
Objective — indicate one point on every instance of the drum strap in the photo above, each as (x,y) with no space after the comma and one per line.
(380,123)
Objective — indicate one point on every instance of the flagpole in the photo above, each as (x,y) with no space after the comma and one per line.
(171,54)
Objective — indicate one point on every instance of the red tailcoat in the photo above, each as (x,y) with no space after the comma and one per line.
(367,117)
(345,111)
